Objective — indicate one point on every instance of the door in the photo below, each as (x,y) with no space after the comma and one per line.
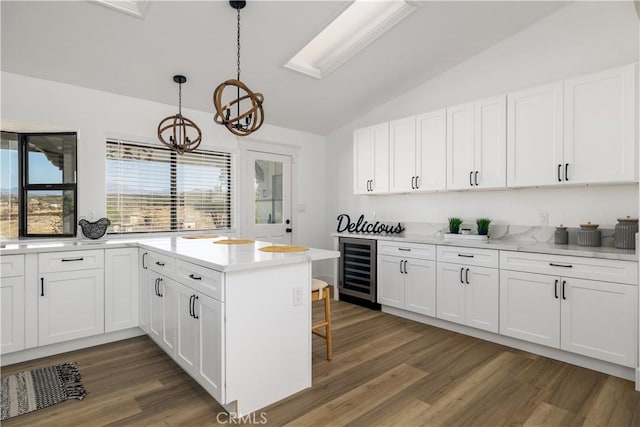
(451,292)
(187,328)
(431,151)
(402,155)
(71,305)
(491,143)
(599,134)
(268,198)
(210,314)
(534,136)
(599,320)
(391,281)
(12,314)
(420,286)
(530,307)
(460,147)
(121,289)
(482,298)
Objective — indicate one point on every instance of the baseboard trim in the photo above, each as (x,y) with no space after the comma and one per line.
(63,347)
(624,372)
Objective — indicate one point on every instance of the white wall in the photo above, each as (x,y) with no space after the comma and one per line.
(30,104)
(581,38)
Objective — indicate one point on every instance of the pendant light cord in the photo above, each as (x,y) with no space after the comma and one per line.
(180,98)
(238,43)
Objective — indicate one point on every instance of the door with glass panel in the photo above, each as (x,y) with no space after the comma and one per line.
(267,204)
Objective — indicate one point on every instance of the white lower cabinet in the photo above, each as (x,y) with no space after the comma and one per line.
(593,318)
(404,282)
(12,311)
(120,289)
(468,295)
(163,313)
(145,286)
(70,305)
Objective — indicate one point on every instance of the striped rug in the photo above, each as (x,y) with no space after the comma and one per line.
(39,388)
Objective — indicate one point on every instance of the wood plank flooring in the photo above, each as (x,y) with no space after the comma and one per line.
(386,371)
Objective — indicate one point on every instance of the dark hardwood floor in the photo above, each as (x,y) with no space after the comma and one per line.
(386,371)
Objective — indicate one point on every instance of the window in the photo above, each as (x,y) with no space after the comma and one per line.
(38,185)
(155,189)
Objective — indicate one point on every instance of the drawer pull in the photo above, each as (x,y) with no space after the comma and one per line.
(194,277)
(405,249)
(465,256)
(560,265)
(72,259)
(161,264)
(42,286)
(555,289)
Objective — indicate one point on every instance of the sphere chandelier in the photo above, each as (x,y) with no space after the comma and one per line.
(183,134)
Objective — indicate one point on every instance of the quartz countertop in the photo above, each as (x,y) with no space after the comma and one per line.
(204,252)
(603,252)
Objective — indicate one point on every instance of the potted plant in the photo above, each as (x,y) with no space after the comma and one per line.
(454,225)
(483,226)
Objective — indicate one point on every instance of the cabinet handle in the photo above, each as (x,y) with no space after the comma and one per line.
(413,185)
(465,256)
(560,265)
(405,267)
(470,179)
(559,172)
(566,171)
(372,185)
(195,316)
(161,264)
(194,277)
(466,276)
(42,286)
(405,249)
(72,259)
(564,296)
(461,270)
(401,272)
(191,305)
(417,178)
(475,178)
(144,256)
(555,289)
(156,285)
(159,282)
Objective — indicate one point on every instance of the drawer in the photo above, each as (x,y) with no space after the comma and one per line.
(11,265)
(407,250)
(569,266)
(202,279)
(160,263)
(468,256)
(52,262)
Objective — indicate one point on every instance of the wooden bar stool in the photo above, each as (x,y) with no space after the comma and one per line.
(320,290)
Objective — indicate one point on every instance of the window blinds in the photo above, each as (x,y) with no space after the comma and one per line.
(155,189)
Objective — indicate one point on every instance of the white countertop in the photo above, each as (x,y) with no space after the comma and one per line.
(204,252)
(603,252)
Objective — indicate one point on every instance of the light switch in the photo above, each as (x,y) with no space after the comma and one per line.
(297,296)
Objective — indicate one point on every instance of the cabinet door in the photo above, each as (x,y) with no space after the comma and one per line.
(121,289)
(155,308)
(363,150)
(420,286)
(145,290)
(530,307)
(210,314)
(169,292)
(451,292)
(391,281)
(70,305)
(490,143)
(402,155)
(431,151)
(460,147)
(599,320)
(534,136)
(187,328)
(380,182)
(599,135)
(12,311)
(482,298)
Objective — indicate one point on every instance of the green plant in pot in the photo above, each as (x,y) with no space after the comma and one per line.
(454,225)
(483,226)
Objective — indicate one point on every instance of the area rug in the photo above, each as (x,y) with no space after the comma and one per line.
(29,391)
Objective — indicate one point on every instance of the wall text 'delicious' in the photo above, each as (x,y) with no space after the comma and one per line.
(362,226)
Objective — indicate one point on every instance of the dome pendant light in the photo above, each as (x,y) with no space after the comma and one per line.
(179,127)
(247,120)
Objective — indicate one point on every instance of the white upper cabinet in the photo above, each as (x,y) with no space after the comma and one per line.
(534,136)
(599,132)
(417,149)
(371,159)
(476,145)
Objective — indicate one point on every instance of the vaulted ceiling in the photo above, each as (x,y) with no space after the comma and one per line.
(82,43)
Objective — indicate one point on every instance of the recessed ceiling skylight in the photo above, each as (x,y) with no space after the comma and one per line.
(130,7)
(360,24)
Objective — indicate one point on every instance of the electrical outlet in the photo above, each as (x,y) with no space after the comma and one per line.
(297,296)
(543,218)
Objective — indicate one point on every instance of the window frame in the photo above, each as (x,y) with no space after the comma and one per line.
(24,187)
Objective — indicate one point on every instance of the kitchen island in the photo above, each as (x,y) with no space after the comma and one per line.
(235,318)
